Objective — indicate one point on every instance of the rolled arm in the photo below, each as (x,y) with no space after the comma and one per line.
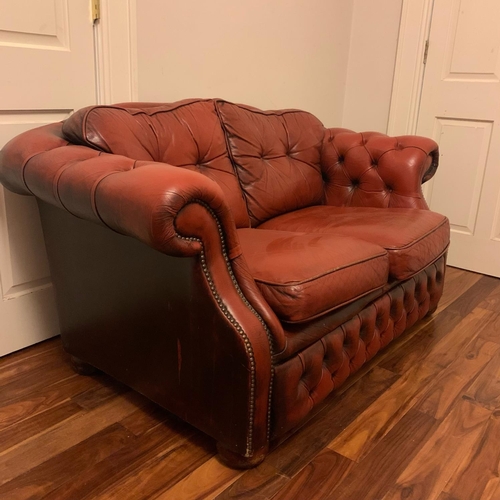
(175,210)
(372,169)
(146,201)
(139,199)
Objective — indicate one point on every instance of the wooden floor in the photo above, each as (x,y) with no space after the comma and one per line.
(422,421)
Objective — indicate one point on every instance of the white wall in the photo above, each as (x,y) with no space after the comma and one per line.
(266,53)
(334,58)
(372,56)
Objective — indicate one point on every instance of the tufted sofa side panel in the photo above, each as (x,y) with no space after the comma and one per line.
(277,155)
(306,379)
(185,134)
(370,169)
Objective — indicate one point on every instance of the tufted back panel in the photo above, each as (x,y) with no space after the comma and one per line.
(277,155)
(364,169)
(185,134)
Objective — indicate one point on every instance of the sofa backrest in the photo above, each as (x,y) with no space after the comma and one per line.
(277,155)
(266,162)
(186,134)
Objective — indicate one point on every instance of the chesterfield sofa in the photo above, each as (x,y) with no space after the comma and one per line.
(233,265)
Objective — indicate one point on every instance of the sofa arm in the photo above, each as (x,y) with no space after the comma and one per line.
(174,210)
(147,201)
(372,169)
(139,199)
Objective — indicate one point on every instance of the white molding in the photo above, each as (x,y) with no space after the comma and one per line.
(8,289)
(6,278)
(115,36)
(409,70)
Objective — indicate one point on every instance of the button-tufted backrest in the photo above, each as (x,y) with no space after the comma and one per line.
(186,134)
(277,155)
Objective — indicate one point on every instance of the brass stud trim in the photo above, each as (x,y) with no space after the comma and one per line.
(238,328)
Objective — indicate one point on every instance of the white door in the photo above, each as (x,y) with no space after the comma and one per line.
(47,71)
(460,109)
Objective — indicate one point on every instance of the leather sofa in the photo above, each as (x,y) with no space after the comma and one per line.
(233,265)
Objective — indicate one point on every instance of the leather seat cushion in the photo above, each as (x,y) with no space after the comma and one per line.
(304,275)
(413,238)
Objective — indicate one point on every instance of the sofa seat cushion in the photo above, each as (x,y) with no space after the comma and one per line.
(304,275)
(413,238)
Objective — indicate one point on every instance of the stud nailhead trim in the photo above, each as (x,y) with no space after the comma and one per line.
(236,325)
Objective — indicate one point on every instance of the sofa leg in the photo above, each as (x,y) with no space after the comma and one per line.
(430,312)
(237,461)
(81,367)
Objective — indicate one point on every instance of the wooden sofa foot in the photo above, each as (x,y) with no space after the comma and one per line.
(237,461)
(430,312)
(81,367)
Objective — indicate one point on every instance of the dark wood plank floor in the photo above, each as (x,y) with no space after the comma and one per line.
(421,421)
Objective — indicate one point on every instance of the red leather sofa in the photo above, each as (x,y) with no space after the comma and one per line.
(234,265)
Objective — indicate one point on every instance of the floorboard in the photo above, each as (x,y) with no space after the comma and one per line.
(421,421)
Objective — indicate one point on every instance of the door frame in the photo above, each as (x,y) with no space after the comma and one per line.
(115,52)
(414,29)
(115,64)
(114,79)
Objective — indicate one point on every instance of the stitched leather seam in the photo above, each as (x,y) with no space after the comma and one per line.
(326,273)
(55,184)
(90,142)
(84,126)
(233,161)
(425,266)
(25,163)
(94,202)
(123,108)
(426,153)
(414,242)
(337,306)
(94,189)
(160,111)
(267,113)
(23,169)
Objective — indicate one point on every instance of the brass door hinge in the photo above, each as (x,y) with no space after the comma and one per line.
(96,10)
(426,51)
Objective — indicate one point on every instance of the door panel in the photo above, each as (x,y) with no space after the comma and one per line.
(47,53)
(460,109)
(461,203)
(475,41)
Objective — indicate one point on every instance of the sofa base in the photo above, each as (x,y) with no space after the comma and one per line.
(306,378)
(81,367)
(237,461)
(129,311)
(427,297)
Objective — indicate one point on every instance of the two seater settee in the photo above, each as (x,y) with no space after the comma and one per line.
(233,265)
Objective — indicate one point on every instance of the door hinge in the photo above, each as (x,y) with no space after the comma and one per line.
(96,10)
(426,51)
